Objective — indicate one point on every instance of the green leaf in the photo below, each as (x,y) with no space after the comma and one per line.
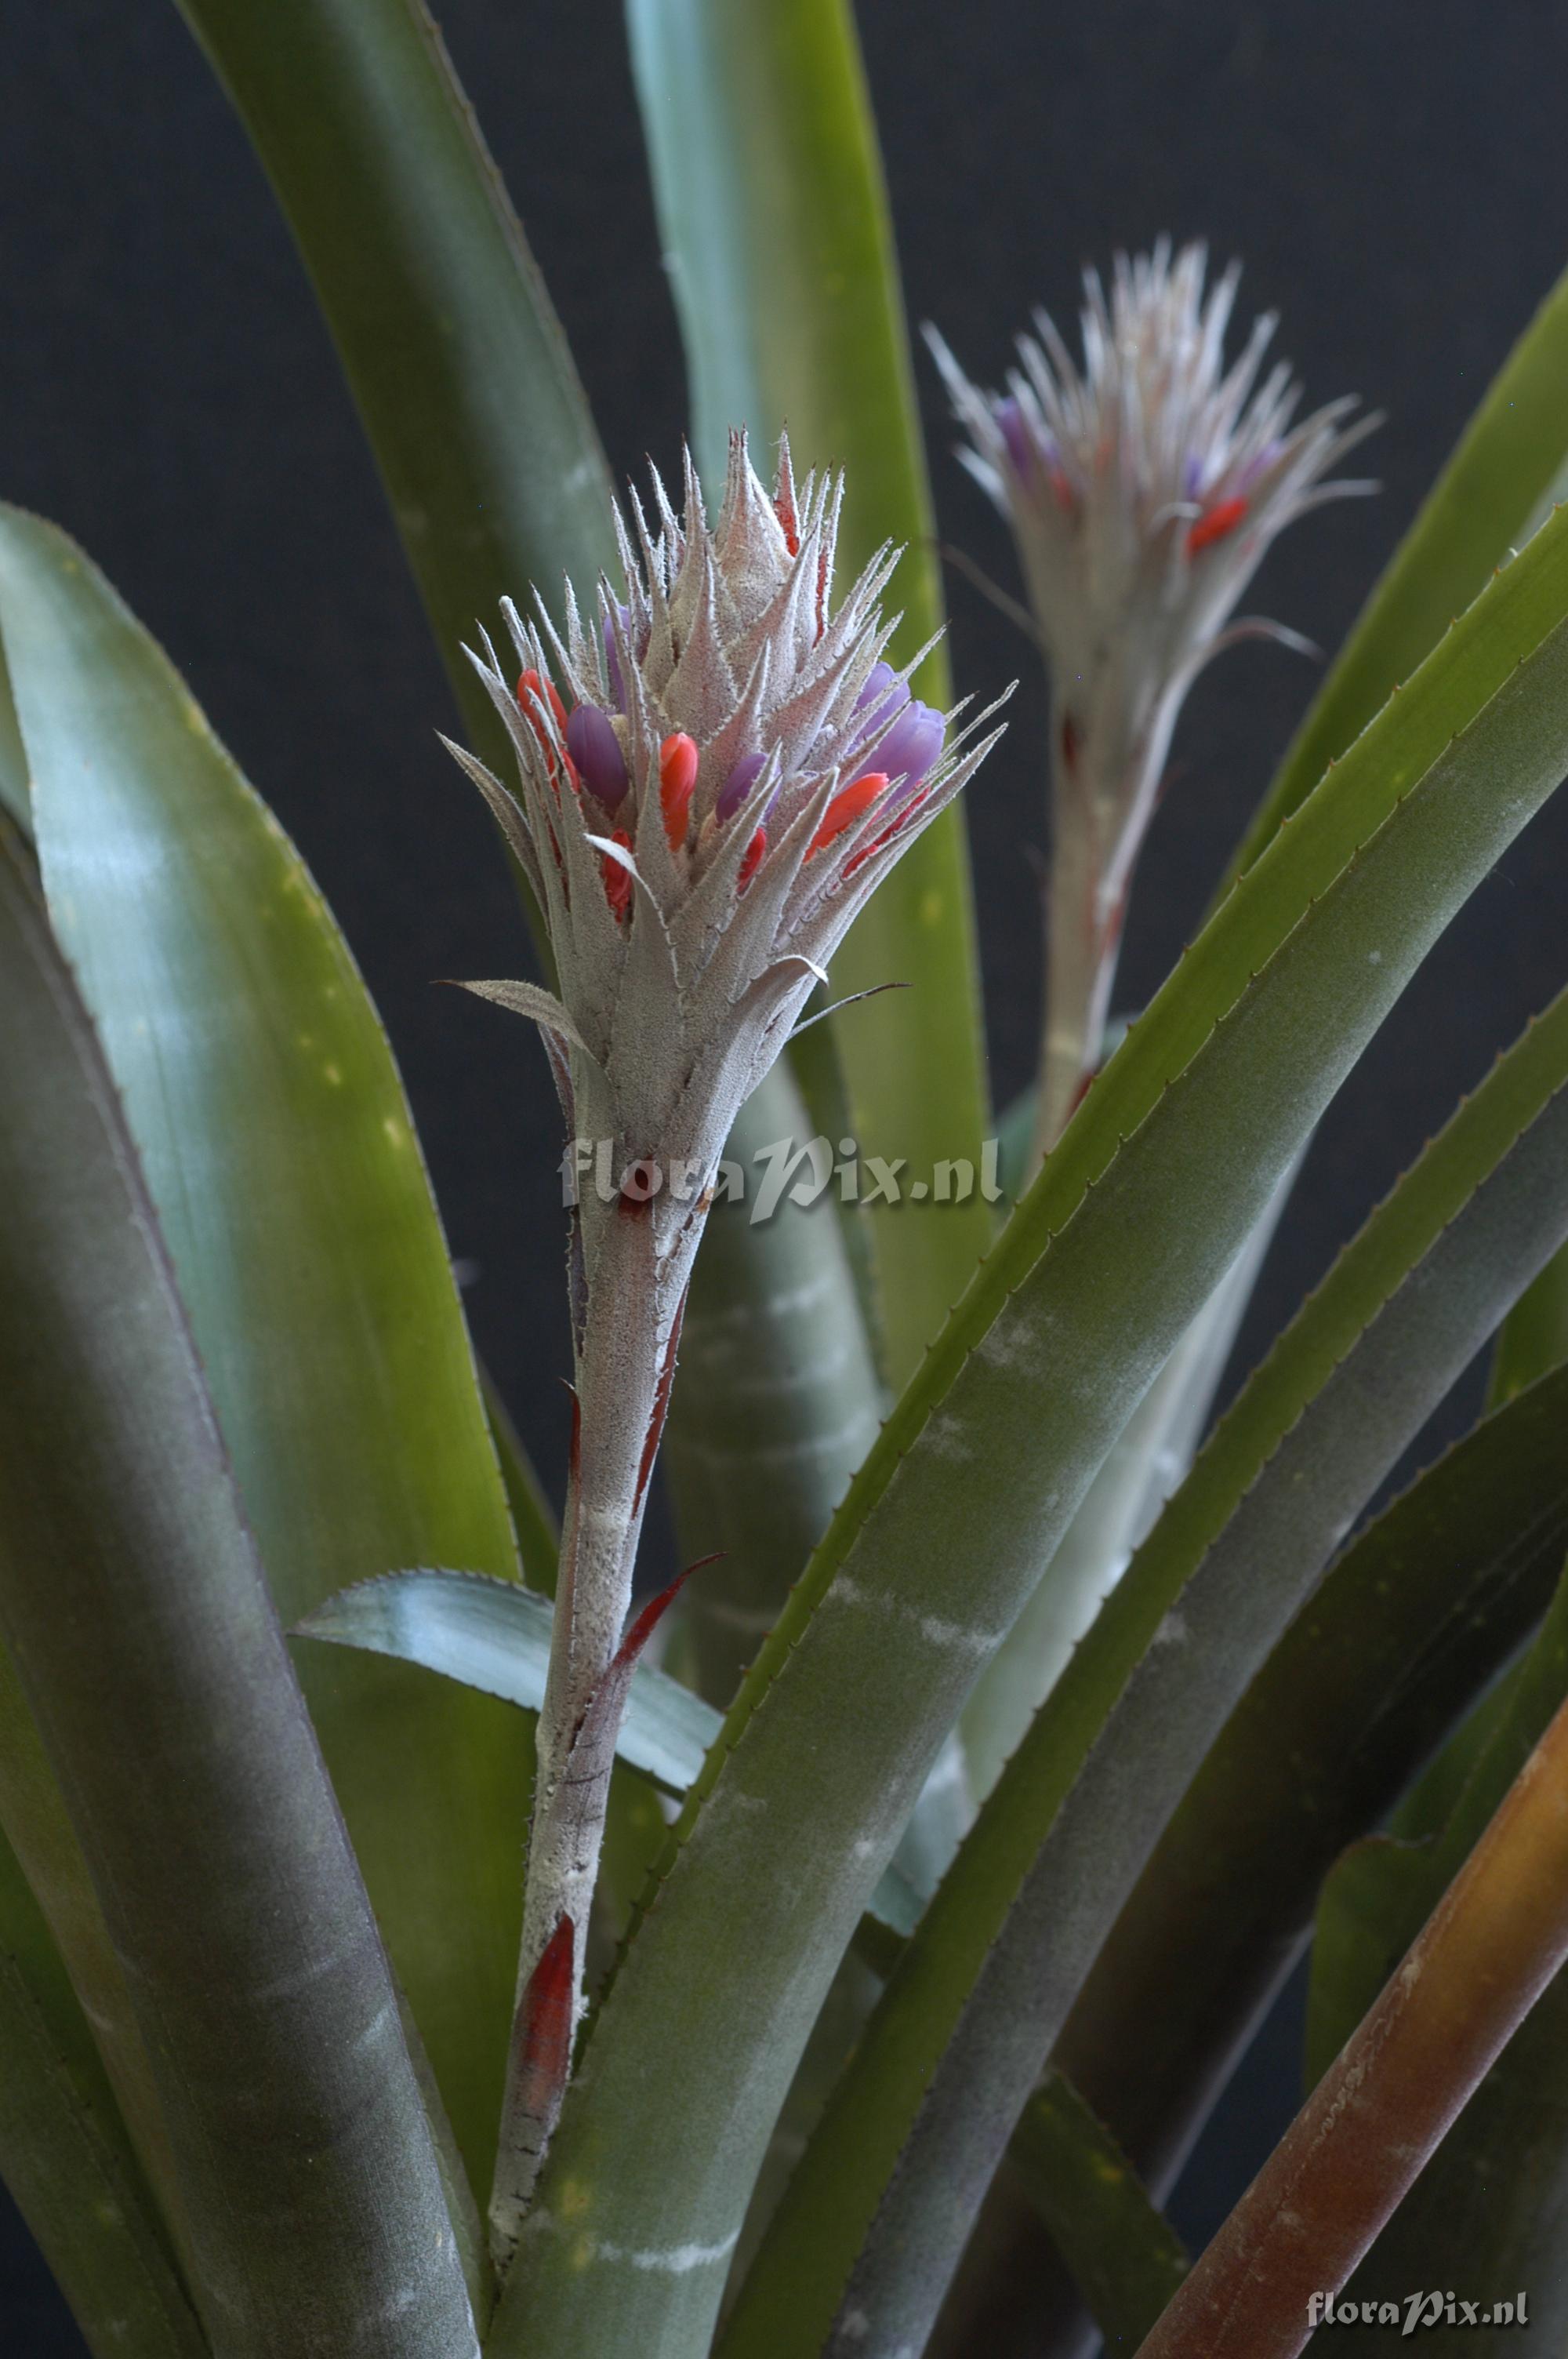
(1015,1136)
(1377,1882)
(14,795)
(1534,1336)
(40,1837)
(950,1523)
(67,2160)
(533,1517)
(494,1635)
(1125,2257)
(775,223)
(453,354)
(279,1150)
(1417,1616)
(920,2119)
(1362,2139)
(133,1600)
(1506,464)
(776,1403)
(1494,2198)
(1382,1892)
(1148,1461)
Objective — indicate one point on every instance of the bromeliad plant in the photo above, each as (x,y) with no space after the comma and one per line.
(699,833)
(913,1940)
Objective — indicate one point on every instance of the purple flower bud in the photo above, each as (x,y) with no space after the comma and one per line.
(911,744)
(612,658)
(886,691)
(1010,424)
(738,784)
(595,748)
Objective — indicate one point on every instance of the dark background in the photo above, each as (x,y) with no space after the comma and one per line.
(1394,179)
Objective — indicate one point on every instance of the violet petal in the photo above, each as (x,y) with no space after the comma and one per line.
(595,748)
(612,656)
(886,691)
(911,744)
(738,784)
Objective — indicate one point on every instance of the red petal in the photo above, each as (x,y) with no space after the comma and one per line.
(784,508)
(752,859)
(529,687)
(847,805)
(678,777)
(906,812)
(617,879)
(1220,519)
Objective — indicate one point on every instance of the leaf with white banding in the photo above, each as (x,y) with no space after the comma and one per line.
(945,1528)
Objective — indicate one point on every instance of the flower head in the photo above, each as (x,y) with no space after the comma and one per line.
(716,770)
(1144,487)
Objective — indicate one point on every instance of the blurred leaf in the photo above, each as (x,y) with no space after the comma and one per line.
(533,1517)
(1505,464)
(1534,1336)
(447,336)
(134,1604)
(278,1147)
(1126,2258)
(1126,1232)
(1420,1612)
(1015,1134)
(922,2117)
(1378,1883)
(817,1072)
(775,224)
(1380,1891)
(67,2160)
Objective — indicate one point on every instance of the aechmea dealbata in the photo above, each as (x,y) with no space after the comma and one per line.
(716,770)
(1143,487)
